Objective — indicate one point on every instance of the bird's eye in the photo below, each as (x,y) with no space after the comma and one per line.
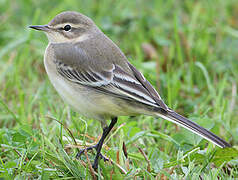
(67,27)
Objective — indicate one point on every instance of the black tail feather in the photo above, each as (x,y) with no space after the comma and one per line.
(184,122)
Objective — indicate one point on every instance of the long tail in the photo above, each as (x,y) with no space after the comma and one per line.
(191,126)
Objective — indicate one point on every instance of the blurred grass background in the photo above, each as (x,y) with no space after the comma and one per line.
(186,49)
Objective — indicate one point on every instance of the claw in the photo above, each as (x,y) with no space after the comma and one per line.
(95,164)
(88,149)
(103,157)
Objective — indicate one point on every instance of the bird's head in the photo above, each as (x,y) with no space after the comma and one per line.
(68,26)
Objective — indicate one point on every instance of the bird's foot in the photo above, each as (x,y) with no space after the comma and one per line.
(86,149)
(95,164)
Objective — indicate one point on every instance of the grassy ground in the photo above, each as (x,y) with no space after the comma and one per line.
(187,49)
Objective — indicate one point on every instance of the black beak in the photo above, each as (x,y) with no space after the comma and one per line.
(40,27)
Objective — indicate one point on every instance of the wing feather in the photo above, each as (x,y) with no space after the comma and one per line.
(117,78)
(126,85)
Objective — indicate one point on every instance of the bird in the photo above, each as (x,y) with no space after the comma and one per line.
(92,75)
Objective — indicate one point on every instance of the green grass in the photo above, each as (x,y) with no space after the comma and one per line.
(194,65)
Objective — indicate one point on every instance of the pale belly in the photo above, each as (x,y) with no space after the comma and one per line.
(86,101)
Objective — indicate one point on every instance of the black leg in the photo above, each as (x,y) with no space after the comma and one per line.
(98,146)
(106,131)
